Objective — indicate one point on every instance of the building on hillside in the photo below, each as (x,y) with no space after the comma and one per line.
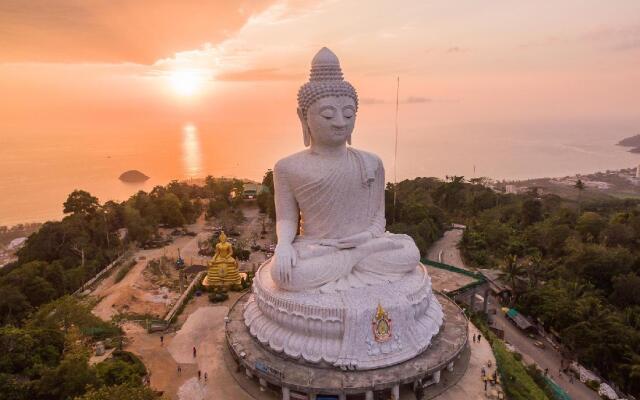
(511,189)
(252,190)
(520,321)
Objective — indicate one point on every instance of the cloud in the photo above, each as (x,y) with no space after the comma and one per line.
(106,31)
(370,100)
(417,99)
(455,49)
(407,100)
(615,38)
(264,74)
(618,38)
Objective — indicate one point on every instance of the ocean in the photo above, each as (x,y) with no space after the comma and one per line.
(38,171)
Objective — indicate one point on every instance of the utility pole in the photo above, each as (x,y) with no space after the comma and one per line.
(395,155)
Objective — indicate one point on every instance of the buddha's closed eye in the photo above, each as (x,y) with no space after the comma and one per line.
(328,113)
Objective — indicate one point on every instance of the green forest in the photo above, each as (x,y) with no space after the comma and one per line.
(46,335)
(573,265)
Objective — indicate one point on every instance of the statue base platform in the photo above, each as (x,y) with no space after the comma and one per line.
(360,328)
(223,284)
(285,377)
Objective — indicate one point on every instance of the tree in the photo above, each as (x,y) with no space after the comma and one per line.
(626,290)
(512,271)
(120,392)
(580,188)
(14,306)
(72,376)
(617,234)
(590,224)
(81,203)
(531,211)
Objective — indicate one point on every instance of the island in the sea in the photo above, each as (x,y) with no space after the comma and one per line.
(633,142)
(133,176)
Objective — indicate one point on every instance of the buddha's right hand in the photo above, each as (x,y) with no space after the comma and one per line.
(286,258)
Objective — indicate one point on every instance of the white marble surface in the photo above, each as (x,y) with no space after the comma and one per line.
(337,328)
(334,262)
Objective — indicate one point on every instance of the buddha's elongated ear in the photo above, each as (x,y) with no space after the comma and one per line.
(306,135)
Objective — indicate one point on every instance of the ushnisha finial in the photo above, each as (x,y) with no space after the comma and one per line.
(325,80)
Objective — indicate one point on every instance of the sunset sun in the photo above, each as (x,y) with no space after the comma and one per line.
(186,82)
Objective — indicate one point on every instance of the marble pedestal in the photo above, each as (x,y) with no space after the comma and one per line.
(338,330)
(250,362)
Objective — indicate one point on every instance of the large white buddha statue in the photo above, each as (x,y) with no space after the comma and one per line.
(336,271)
(336,195)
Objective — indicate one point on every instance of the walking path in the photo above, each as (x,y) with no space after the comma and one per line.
(471,385)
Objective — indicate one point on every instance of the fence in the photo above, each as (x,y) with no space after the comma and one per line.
(183,297)
(99,275)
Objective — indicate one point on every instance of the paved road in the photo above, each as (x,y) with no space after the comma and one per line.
(544,358)
(445,249)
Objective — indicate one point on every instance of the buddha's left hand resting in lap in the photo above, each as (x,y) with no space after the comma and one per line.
(335,194)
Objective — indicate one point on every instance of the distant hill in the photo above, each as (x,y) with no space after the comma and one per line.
(133,176)
(633,141)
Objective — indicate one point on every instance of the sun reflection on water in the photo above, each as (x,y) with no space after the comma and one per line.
(191,151)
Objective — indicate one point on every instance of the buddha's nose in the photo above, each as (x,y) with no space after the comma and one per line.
(339,122)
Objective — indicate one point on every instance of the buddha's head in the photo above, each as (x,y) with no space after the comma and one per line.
(222,238)
(327,104)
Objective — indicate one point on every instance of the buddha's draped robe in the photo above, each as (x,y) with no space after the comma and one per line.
(335,200)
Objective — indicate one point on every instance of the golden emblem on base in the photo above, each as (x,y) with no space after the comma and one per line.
(381,325)
(223,267)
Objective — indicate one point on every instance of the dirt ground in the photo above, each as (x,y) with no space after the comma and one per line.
(172,366)
(141,291)
(201,325)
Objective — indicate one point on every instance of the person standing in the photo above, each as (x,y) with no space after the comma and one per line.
(479,337)
(161,340)
(474,338)
(194,351)
(179,369)
(199,374)
(205,376)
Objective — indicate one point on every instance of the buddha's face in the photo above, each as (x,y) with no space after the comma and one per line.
(331,120)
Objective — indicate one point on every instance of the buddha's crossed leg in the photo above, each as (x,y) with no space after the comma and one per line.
(380,260)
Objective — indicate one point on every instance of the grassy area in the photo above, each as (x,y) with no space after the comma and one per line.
(124,270)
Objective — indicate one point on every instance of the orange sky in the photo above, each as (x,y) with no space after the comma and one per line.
(97,69)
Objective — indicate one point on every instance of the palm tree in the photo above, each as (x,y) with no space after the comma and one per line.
(534,270)
(511,271)
(580,186)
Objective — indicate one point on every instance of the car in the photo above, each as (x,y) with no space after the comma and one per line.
(539,344)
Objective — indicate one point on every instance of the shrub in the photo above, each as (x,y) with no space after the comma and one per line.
(124,270)
(218,297)
(593,385)
(517,383)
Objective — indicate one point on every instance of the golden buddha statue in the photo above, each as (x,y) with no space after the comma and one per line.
(223,267)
